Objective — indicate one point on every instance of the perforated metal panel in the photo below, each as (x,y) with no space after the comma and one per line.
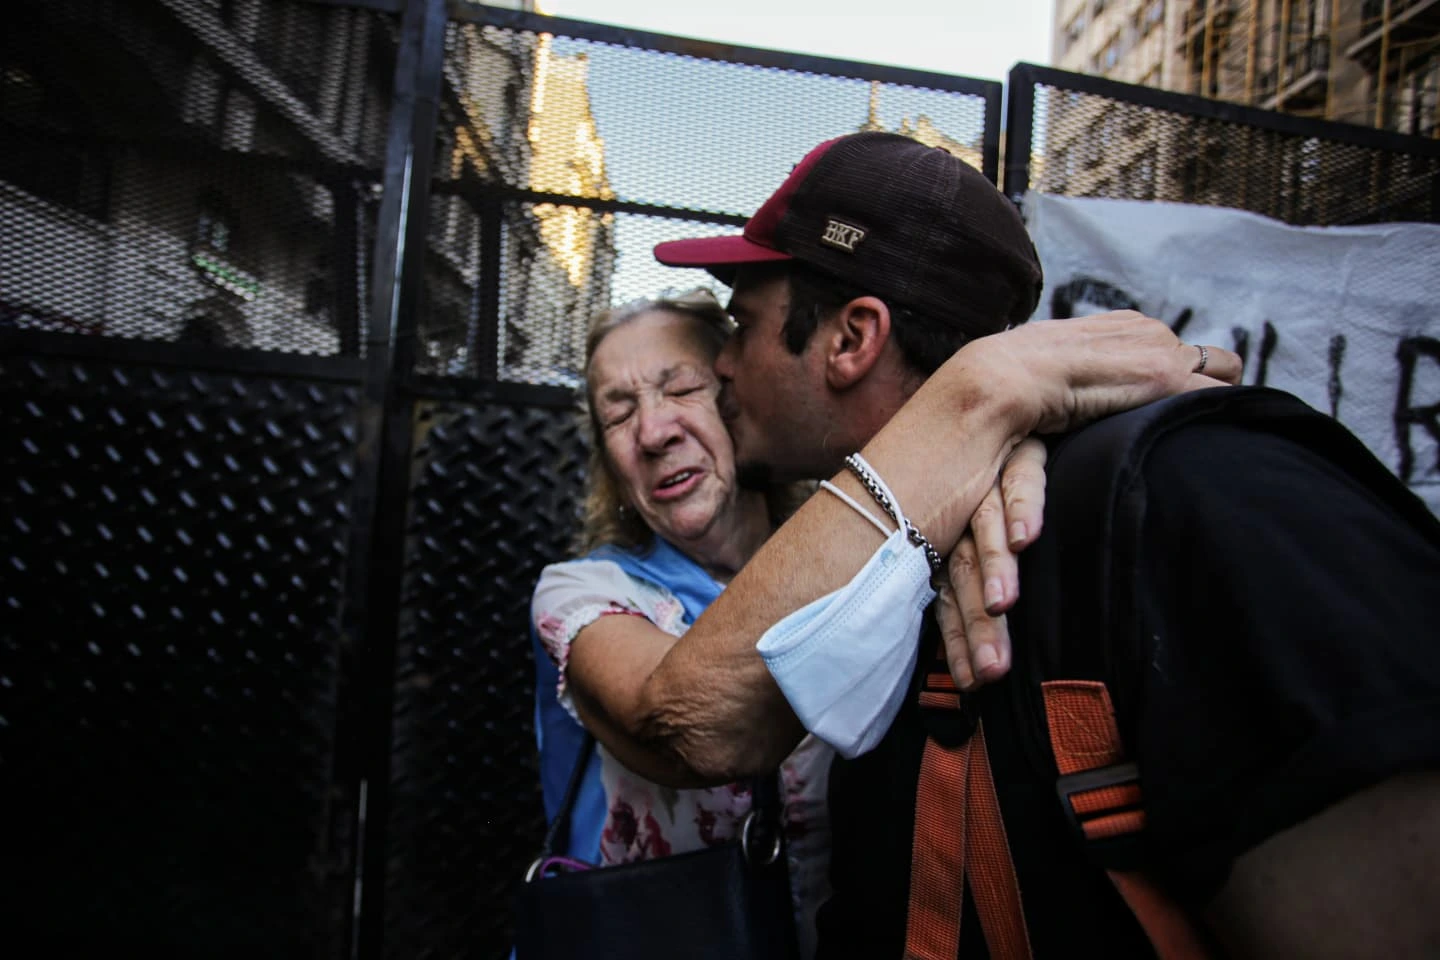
(171,560)
(1085,137)
(494,500)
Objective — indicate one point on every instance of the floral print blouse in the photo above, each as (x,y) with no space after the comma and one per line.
(645,820)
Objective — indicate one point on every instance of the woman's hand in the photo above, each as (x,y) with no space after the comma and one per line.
(982,576)
(1061,374)
(1071,372)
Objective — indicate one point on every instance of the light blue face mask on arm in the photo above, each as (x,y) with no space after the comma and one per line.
(844,661)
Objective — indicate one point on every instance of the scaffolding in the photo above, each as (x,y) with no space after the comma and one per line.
(1286,55)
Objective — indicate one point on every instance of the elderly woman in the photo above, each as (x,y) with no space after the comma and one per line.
(666,525)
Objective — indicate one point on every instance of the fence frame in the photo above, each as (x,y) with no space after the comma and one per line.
(991,91)
(1020,120)
(378,362)
(390,391)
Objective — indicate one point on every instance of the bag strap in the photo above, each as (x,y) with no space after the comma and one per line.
(558,833)
(959,836)
(765,797)
(1101,796)
(762,837)
(1081,621)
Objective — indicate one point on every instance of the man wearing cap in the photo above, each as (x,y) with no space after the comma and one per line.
(854,286)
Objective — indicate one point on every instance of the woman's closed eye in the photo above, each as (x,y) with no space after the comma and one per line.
(616,416)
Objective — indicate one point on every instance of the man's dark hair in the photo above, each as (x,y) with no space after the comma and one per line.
(925,342)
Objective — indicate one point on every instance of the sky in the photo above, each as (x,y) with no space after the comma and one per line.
(720,137)
(976,38)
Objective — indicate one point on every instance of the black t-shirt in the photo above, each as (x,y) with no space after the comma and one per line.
(1292,622)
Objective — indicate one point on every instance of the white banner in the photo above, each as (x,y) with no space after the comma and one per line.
(1346,318)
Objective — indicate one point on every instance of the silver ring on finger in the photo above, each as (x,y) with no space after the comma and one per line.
(1204,359)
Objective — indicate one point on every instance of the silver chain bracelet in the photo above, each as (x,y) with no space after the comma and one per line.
(872,483)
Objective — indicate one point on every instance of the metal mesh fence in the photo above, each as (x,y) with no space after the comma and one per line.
(541,339)
(553,114)
(171,560)
(1093,138)
(197,171)
(564,152)
(197,634)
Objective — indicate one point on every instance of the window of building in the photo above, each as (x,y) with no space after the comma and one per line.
(1417,101)
(1054,172)
(1075,30)
(320,289)
(1148,17)
(47,148)
(214,321)
(1139,177)
(214,224)
(1428,113)
(1110,55)
(290,40)
(218,251)
(1154,14)
(1111,126)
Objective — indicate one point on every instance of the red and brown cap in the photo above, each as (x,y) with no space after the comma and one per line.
(911,224)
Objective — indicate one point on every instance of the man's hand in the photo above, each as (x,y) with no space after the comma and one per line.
(982,576)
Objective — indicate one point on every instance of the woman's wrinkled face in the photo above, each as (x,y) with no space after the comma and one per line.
(653,391)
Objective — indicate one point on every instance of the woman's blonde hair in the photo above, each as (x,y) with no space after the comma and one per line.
(606,520)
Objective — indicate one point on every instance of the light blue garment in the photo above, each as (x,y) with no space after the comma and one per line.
(844,661)
(557,734)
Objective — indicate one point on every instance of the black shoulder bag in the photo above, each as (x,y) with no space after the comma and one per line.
(722,902)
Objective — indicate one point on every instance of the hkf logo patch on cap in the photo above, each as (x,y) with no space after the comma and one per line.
(842,236)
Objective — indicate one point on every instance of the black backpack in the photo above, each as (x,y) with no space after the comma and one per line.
(1081,623)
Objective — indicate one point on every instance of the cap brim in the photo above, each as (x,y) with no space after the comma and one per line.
(713,252)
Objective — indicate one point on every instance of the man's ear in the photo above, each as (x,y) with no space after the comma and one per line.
(858,333)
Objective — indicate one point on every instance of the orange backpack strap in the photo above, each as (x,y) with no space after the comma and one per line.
(1101,795)
(959,835)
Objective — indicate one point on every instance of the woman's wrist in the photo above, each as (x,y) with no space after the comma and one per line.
(943,450)
(985,376)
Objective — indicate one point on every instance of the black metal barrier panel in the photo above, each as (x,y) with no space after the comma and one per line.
(175,546)
(190,200)
(493,499)
(292,304)
(1082,136)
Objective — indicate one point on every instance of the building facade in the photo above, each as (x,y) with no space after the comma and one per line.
(1377,67)
(1370,62)
(221,185)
